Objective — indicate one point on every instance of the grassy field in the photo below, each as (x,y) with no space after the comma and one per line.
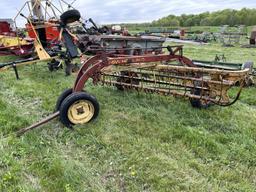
(139,142)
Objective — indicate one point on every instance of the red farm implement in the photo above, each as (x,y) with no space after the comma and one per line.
(165,74)
(11,44)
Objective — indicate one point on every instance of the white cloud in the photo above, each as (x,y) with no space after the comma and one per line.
(116,11)
(147,10)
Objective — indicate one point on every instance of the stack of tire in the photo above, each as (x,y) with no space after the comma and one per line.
(70,16)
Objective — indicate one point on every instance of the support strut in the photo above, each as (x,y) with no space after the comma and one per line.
(38,124)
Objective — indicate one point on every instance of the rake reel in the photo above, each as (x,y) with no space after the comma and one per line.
(198,84)
(165,74)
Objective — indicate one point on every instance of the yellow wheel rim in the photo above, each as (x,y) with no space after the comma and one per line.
(81,112)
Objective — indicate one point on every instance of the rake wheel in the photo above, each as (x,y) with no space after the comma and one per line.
(79,108)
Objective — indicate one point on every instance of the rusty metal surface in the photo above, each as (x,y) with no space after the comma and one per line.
(131,38)
(156,73)
(87,43)
(38,124)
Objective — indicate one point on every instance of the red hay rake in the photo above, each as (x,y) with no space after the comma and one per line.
(166,74)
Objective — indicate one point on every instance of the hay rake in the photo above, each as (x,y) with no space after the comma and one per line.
(171,74)
(166,74)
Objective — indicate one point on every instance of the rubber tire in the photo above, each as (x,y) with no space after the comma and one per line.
(197,103)
(62,97)
(76,96)
(70,16)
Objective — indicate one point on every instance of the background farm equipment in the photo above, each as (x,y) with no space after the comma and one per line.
(166,32)
(229,36)
(128,45)
(16,46)
(204,37)
(46,31)
(252,39)
(223,65)
(93,39)
(94,29)
(12,44)
(183,34)
(6,29)
(91,28)
(253,36)
(226,66)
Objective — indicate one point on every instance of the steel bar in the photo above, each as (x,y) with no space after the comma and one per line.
(175,77)
(166,92)
(203,70)
(38,124)
(147,80)
(6,66)
(144,48)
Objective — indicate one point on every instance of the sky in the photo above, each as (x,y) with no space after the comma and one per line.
(124,11)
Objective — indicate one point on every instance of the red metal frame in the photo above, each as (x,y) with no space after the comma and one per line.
(92,67)
(51,29)
(5,29)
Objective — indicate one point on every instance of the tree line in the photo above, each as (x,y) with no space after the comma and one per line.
(229,17)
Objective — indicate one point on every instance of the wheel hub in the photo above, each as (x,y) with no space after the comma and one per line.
(81,112)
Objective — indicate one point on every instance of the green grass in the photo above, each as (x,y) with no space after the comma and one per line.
(139,142)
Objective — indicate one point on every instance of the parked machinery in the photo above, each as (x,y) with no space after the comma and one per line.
(230,36)
(94,39)
(155,72)
(12,43)
(152,74)
(53,33)
(253,36)
(47,33)
(166,74)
